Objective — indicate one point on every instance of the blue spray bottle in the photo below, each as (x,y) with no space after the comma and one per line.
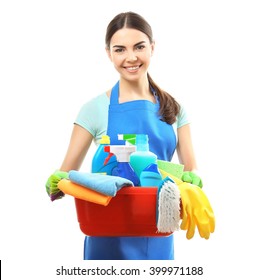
(98,162)
(123,169)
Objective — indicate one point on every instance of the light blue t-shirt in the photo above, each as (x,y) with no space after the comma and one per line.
(93,116)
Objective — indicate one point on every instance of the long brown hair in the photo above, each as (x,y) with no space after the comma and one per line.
(169,107)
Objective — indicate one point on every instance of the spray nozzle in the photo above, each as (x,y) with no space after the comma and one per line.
(129,138)
(122,152)
(107,150)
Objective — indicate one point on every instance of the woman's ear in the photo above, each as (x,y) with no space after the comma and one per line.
(152,47)
(108,53)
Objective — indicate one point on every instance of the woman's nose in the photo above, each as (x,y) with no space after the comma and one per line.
(131,56)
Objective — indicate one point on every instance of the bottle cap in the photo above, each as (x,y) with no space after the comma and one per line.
(142,142)
(141,138)
(129,138)
(105,139)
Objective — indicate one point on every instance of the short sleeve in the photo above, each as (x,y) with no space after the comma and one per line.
(93,116)
(182,118)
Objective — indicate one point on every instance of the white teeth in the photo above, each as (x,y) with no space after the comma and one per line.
(133,68)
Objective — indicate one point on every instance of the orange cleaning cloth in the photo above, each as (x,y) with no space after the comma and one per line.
(83,193)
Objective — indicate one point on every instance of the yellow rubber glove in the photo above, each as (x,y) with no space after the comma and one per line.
(196,211)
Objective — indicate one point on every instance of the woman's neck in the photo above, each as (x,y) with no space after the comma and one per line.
(131,91)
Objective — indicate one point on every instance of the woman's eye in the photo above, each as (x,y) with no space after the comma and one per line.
(119,50)
(140,47)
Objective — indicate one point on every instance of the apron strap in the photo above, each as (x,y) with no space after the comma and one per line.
(114,99)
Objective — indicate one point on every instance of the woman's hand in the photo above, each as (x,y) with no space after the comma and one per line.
(192,178)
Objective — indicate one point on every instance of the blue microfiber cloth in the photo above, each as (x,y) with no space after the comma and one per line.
(105,184)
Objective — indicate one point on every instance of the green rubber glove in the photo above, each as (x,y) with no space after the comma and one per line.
(52,182)
(192,178)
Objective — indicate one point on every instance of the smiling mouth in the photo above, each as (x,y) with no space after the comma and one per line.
(133,68)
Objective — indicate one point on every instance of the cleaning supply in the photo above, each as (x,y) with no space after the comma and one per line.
(52,184)
(98,161)
(196,211)
(166,174)
(81,192)
(142,157)
(196,208)
(131,213)
(150,176)
(105,184)
(123,169)
(175,169)
(129,138)
(168,212)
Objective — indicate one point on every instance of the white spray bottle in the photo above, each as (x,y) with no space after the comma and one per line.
(123,169)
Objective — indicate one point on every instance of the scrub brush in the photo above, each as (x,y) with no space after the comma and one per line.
(168,214)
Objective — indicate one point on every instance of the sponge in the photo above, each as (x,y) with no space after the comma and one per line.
(174,169)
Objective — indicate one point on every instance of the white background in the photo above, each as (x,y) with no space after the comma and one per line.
(52,60)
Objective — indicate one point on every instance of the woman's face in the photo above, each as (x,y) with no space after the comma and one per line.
(130,51)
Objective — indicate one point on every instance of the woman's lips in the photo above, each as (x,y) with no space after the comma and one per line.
(132,68)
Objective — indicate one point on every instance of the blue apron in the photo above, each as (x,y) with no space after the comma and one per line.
(135,117)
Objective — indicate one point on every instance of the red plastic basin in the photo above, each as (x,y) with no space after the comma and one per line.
(132,212)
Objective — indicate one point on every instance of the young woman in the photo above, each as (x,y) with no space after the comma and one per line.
(135,104)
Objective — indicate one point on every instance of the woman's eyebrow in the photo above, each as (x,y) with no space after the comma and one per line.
(120,46)
(142,42)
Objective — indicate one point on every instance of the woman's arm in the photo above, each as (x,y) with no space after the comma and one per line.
(78,147)
(185,149)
